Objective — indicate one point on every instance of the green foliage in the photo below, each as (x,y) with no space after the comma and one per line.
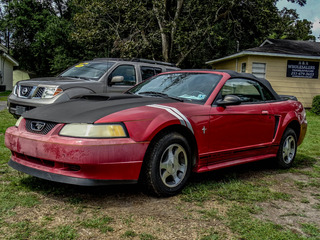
(59,233)
(26,230)
(187,33)
(312,230)
(11,193)
(210,237)
(233,190)
(309,149)
(290,27)
(99,223)
(23,230)
(316,105)
(39,38)
(129,234)
(4,95)
(7,120)
(146,236)
(48,36)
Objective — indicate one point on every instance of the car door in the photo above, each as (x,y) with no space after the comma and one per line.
(241,130)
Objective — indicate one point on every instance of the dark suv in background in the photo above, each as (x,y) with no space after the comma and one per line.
(96,76)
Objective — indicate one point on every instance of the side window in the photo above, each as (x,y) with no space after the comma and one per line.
(268,96)
(147,72)
(247,90)
(127,71)
(158,70)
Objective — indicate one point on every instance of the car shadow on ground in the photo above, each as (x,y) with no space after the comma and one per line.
(66,192)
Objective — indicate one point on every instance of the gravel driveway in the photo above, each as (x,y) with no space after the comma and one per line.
(3,105)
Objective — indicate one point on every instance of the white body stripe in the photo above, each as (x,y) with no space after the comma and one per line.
(175,112)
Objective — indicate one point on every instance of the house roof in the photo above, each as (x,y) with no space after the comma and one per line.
(293,47)
(10,59)
(5,55)
(280,48)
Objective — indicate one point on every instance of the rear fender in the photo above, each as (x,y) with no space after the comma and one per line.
(288,119)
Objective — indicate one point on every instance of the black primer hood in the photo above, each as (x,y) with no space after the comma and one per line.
(90,108)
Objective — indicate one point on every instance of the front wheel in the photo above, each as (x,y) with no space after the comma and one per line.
(287,149)
(168,165)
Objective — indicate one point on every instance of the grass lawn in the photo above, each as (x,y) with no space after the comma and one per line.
(4,95)
(252,201)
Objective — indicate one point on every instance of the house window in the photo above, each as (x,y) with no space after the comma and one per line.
(259,70)
(243,67)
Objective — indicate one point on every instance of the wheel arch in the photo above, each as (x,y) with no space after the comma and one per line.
(290,121)
(295,126)
(185,132)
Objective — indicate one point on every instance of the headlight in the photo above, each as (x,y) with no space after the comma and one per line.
(50,92)
(115,130)
(14,91)
(18,122)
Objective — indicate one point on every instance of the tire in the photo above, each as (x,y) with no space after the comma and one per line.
(287,149)
(168,165)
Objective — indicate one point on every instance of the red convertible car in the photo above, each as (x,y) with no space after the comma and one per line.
(159,131)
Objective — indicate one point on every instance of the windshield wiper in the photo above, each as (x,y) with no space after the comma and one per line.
(160,94)
(77,77)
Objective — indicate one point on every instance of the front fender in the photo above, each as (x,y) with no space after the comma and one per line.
(145,130)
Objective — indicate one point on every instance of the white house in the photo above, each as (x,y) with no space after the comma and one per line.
(291,66)
(6,69)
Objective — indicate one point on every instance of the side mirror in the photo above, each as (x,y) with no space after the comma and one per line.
(229,100)
(117,79)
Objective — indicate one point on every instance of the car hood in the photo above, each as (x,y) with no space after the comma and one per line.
(62,82)
(90,108)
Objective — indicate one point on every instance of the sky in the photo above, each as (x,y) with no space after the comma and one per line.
(310,11)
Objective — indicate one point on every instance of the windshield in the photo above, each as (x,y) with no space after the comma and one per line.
(88,70)
(192,87)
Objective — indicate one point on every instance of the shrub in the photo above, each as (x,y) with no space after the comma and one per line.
(316,105)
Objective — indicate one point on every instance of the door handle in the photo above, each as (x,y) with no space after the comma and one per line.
(264,112)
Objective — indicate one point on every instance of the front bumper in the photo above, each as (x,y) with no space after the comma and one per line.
(17,106)
(66,179)
(75,160)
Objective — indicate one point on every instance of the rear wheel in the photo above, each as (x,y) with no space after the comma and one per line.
(287,149)
(168,165)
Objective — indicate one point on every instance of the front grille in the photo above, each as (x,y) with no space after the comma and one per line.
(39,92)
(25,91)
(12,105)
(39,127)
(48,163)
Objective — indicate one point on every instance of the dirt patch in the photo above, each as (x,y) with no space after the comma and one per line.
(167,218)
(301,208)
